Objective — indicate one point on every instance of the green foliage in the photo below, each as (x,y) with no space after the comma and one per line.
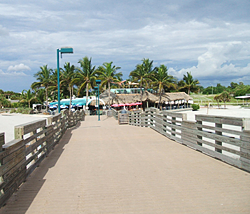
(223,97)
(143,73)
(241,90)
(85,76)
(15,105)
(233,85)
(108,74)
(163,80)
(4,102)
(188,84)
(13,110)
(44,80)
(27,97)
(23,110)
(195,107)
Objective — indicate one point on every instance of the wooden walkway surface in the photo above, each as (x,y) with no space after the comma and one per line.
(101,167)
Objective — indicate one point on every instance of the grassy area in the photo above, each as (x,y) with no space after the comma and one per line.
(205,99)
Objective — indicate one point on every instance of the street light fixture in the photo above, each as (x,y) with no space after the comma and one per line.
(98,82)
(62,51)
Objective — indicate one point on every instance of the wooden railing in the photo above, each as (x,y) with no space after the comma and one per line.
(224,138)
(33,142)
(114,113)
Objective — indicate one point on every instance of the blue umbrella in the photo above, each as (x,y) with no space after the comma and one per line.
(63,106)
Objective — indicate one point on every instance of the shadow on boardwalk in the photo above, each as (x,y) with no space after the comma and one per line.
(102,167)
(35,181)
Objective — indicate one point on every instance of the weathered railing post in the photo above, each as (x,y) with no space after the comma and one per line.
(188,135)
(2,141)
(49,136)
(245,147)
(199,122)
(19,132)
(174,123)
(218,125)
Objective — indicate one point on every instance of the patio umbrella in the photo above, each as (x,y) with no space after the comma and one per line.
(63,106)
(128,104)
(138,103)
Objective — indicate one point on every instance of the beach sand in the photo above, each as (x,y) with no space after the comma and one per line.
(9,121)
(231,111)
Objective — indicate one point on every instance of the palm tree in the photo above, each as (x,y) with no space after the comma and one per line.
(143,73)
(27,96)
(225,97)
(44,80)
(40,95)
(163,80)
(218,99)
(3,101)
(190,84)
(107,73)
(85,76)
(68,74)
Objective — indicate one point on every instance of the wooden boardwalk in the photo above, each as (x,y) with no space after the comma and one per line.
(101,167)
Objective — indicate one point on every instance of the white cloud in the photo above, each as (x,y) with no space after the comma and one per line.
(210,39)
(20,67)
(219,62)
(12,74)
(3,31)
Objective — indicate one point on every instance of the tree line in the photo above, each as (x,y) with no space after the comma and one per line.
(81,81)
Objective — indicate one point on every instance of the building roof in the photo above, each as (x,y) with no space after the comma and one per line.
(243,97)
(146,96)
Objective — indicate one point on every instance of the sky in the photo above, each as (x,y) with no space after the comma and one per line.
(210,39)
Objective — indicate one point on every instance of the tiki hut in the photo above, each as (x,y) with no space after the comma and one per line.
(176,99)
(148,99)
(133,98)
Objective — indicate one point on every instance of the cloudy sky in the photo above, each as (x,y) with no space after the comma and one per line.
(210,39)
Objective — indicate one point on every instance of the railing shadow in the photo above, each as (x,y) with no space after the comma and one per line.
(25,195)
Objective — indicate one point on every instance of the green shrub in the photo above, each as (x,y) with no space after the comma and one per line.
(23,110)
(13,110)
(26,111)
(14,105)
(19,110)
(195,107)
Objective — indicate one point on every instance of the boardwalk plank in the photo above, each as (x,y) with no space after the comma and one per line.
(101,167)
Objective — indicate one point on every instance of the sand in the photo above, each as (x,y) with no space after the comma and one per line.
(9,121)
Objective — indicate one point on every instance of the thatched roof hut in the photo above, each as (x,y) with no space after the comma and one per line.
(133,98)
(146,96)
(176,96)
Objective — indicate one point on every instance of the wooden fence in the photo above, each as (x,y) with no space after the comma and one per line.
(224,138)
(33,142)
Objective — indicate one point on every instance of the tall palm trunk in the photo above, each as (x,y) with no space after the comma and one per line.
(47,98)
(109,93)
(159,98)
(87,94)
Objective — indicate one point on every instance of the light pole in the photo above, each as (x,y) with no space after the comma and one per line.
(98,82)
(62,50)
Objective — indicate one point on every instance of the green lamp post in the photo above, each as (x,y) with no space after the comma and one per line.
(98,82)
(62,51)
